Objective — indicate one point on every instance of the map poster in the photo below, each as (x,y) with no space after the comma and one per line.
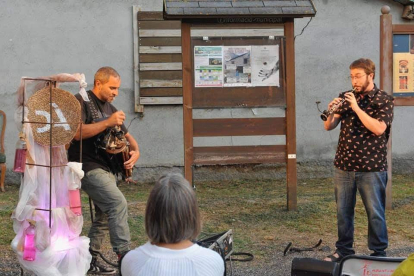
(208,66)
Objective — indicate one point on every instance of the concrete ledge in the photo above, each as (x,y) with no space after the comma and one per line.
(306,169)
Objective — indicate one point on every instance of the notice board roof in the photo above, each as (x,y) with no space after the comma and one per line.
(249,8)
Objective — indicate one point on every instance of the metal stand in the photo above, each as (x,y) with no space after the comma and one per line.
(51,84)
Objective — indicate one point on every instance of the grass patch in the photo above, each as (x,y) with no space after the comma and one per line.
(256,211)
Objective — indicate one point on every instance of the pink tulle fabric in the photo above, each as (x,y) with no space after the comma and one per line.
(59,248)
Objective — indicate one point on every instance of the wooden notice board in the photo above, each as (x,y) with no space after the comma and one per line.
(226,96)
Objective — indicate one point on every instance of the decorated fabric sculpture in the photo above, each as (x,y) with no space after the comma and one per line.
(48,243)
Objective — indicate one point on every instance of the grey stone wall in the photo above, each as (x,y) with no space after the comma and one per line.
(45,37)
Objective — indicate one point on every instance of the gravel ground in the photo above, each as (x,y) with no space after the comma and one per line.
(271,245)
(276,264)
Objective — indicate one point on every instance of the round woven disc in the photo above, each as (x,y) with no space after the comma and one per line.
(65,113)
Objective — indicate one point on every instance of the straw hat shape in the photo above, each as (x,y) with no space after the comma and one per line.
(64,113)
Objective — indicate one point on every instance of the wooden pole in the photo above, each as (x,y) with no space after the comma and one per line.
(187,100)
(386,82)
(291,176)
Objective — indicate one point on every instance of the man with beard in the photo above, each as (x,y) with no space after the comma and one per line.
(361,158)
(111,210)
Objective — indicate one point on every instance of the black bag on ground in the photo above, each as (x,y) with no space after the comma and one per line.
(313,267)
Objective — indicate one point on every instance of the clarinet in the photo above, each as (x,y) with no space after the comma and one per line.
(326,113)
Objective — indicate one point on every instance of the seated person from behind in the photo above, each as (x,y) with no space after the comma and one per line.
(172,220)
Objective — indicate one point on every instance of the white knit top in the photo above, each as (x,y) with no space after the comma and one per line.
(152,260)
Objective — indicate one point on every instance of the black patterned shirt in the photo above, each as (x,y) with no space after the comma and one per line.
(359,149)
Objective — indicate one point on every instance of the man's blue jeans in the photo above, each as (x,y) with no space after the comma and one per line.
(111,212)
(371,187)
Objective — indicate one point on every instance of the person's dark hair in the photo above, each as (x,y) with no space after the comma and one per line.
(364,63)
(172,213)
(104,73)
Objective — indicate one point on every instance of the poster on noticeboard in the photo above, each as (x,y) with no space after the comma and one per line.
(265,65)
(237,66)
(403,65)
(208,66)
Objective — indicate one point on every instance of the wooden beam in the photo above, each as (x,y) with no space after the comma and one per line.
(237,32)
(238,97)
(386,52)
(235,41)
(160,24)
(160,41)
(160,50)
(401,28)
(291,176)
(404,101)
(386,60)
(165,75)
(161,92)
(135,12)
(144,15)
(187,100)
(158,58)
(159,33)
(160,83)
(165,66)
(226,155)
(239,127)
(161,100)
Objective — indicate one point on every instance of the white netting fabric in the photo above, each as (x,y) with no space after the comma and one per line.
(59,249)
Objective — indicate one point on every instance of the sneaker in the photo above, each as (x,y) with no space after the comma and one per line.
(98,269)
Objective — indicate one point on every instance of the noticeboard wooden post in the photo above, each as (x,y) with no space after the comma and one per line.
(395,75)
(291,117)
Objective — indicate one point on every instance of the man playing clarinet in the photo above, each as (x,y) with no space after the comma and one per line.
(361,158)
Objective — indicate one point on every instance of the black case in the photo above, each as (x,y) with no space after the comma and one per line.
(313,267)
